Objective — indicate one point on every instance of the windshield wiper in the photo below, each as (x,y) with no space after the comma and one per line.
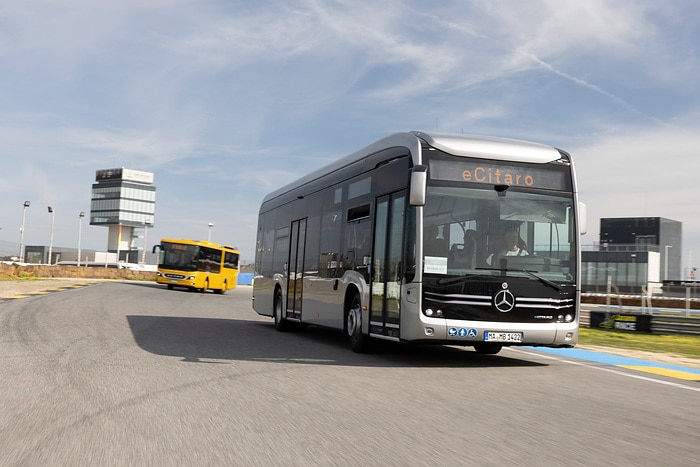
(539,278)
(504,269)
(452,280)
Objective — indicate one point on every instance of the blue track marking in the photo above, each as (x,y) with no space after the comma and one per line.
(674,371)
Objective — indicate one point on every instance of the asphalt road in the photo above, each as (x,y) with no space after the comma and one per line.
(134,374)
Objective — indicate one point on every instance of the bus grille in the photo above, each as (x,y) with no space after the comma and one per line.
(175,276)
(486,300)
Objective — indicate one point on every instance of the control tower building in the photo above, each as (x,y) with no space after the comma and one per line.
(125,201)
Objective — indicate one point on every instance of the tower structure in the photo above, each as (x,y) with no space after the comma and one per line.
(123,200)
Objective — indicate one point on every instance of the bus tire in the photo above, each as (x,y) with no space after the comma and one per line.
(359,342)
(281,323)
(222,290)
(487,349)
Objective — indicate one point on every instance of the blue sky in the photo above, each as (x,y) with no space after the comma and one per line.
(226,100)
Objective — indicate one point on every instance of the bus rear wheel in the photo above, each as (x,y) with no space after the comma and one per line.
(353,326)
(281,323)
(223,289)
(487,349)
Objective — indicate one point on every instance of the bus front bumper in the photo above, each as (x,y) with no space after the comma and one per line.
(184,281)
(458,332)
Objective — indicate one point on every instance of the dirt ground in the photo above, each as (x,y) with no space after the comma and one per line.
(9,288)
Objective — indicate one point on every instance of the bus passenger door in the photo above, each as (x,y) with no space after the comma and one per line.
(295,272)
(386,265)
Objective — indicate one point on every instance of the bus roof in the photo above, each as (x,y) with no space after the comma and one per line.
(459,144)
(187,241)
(488,147)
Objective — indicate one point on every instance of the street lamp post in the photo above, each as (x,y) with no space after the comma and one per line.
(80,232)
(145,242)
(666,261)
(51,238)
(210,226)
(634,267)
(21,233)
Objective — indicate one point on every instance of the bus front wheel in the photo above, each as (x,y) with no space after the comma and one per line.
(281,322)
(353,327)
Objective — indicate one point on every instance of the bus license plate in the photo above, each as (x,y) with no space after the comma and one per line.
(503,336)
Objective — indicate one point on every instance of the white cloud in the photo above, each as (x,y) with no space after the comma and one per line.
(643,172)
(227,100)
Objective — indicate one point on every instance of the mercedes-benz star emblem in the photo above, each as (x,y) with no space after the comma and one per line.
(504,301)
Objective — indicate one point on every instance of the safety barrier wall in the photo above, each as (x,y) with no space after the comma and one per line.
(46,271)
(20,271)
(660,323)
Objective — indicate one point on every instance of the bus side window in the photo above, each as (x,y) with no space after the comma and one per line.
(230,260)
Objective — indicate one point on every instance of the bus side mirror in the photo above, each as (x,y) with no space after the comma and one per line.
(155,247)
(582,218)
(419,183)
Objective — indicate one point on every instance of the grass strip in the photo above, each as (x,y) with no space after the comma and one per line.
(686,346)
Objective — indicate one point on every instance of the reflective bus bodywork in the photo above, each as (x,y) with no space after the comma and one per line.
(403,241)
(196,265)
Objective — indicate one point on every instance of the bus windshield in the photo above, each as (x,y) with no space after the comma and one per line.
(514,232)
(178,256)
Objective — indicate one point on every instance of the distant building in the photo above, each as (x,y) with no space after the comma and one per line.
(123,200)
(39,254)
(634,252)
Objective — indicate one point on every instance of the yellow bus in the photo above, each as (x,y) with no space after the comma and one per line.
(196,265)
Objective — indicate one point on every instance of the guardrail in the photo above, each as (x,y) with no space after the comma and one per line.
(665,324)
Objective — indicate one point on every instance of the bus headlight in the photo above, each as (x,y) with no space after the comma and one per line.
(430,312)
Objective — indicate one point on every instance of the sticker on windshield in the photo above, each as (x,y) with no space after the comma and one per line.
(435,265)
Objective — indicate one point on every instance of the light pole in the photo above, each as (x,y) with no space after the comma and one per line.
(666,261)
(51,238)
(210,226)
(80,232)
(21,233)
(145,242)
(635,279)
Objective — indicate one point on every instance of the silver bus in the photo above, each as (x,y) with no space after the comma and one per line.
(428,238)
